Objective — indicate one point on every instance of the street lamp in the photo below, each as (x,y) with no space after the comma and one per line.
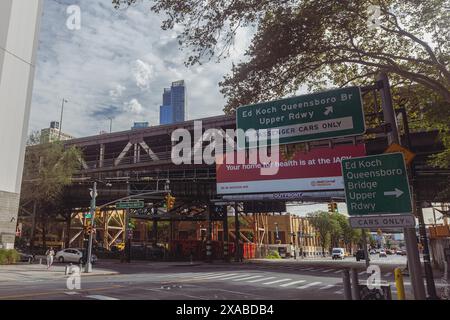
(276,232)
(110,123)
(61,119)
(167,185)
(93,193)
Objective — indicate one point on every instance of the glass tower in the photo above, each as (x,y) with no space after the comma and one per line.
(174,103)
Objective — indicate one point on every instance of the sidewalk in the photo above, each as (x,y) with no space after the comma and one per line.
(39,272)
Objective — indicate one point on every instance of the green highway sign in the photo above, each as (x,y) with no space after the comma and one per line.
(130,205)
(323,115)
(376,185)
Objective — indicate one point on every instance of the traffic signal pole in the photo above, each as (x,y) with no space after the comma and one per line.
(88,265)
(412,251)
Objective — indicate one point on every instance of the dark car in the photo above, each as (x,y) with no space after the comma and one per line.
(26,257)
(360,255)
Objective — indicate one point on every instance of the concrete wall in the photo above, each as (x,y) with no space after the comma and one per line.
(19,28)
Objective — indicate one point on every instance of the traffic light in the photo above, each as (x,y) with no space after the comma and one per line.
(170,201)
(332,207)
(89,230)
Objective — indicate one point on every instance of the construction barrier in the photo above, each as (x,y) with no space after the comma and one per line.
(183,249)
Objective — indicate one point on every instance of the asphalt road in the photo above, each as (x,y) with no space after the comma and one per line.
(281,280)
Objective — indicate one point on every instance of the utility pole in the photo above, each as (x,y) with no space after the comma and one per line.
(409,233)
(110,124)
(431,288)
(88,266)
(61,119)
(366,253)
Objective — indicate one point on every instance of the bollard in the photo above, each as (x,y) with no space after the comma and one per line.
(40,260)
(355,284)
(208,251)
(347,285)
(29,260)
(399,284)
(66,270)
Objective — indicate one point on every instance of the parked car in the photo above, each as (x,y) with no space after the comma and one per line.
(73,255)
(401,252)
(389,251)
(25,257)
(338,253)
(382,254)
(372,251)
(360,255)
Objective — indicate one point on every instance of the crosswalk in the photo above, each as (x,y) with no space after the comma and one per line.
(319,270)
(264,280)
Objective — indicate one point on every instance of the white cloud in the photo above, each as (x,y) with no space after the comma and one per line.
(133,106)
(143,73)
(116,65)
(117,91)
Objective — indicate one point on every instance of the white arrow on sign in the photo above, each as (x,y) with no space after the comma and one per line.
(397,193)
(328,110)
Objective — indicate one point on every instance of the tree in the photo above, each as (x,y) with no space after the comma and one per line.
(47,170)
(317,43)
(321,43)
(325,227)
(349,235)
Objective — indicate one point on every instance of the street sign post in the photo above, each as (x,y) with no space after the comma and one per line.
(130,204)
(376,185)
(383,221)
(322,115)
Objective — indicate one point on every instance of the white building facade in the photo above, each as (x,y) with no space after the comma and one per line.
(19,31)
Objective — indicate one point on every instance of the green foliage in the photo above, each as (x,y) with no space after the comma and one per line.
(325,227)
(8,256)
(332,228)
(273,255)
(315,43)
(47,170)
(323,43)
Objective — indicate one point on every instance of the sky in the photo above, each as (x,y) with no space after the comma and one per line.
(116,65)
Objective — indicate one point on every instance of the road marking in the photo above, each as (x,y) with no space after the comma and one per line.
(18,296)
(234,277)
(263,279)
(388,274)
(329,270)
(100,297)
(276,281)
(70,293)
(247,278)
(339,291)
(328,287)
(217,276)
(337,271)
(309,285)
(291,283)
(196,275)
(320,269)
(362,272)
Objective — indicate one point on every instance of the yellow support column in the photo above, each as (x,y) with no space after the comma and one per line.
(399,284)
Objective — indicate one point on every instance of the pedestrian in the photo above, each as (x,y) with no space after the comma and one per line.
(50,254)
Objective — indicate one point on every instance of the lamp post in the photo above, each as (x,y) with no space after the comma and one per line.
(110,123)
(295,245)
(93,193)
(277,236)
(61,119)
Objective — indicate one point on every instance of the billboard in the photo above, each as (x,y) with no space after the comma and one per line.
(316,170)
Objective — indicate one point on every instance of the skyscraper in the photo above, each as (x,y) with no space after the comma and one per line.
(174,103)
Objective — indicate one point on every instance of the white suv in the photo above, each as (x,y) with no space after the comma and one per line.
(72,255)
(338,253)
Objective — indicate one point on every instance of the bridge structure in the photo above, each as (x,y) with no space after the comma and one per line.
(138,161)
